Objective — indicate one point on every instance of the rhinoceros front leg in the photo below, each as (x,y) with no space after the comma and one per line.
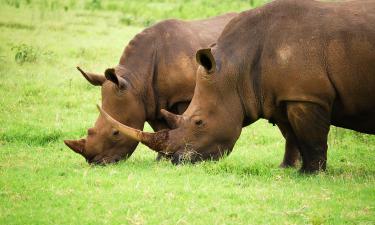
(310,123)
(291,155)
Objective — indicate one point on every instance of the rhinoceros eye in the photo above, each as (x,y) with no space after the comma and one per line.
(115,133)
(198,122)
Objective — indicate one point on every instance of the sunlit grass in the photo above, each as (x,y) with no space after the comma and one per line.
(45,100)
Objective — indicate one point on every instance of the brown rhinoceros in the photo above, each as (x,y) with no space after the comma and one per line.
(301,64)
(156,71)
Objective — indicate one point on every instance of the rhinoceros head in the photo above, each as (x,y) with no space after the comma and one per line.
(209,127)
(105,144)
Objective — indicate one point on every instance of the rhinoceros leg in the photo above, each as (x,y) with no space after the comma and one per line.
(310,123)
(291,155)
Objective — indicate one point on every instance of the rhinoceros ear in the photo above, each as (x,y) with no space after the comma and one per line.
(94,79)
(110,74)
(206,59)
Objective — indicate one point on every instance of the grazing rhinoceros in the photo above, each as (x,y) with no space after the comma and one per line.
(156,71)
(300,64)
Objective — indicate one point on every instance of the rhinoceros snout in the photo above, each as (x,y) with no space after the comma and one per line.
(183,157)
(103,161)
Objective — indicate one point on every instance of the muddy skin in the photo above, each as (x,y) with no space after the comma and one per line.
(158,141)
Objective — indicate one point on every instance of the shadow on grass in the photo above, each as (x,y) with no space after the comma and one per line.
(29,136)
(13,25)
(270,171)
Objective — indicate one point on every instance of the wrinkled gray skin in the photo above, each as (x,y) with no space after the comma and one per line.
(156,71)
(300,64)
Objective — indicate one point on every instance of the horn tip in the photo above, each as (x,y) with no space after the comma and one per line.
(69,143)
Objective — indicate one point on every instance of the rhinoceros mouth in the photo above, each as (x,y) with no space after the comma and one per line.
(102,161)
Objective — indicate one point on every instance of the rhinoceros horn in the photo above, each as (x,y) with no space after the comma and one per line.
(156,141)
(94,79)
(173,120)
(77,146)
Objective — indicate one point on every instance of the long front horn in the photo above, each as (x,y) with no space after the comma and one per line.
(94,79)
(155,141)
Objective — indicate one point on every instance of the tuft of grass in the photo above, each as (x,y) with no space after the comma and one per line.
(25,53)
(93,5)
(17,26)
(27,135)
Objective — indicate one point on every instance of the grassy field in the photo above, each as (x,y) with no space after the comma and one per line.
(44,100)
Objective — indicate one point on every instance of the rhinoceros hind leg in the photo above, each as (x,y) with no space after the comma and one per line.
(292,156)
(310,123)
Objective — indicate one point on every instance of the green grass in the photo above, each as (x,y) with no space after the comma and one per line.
(45,100)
